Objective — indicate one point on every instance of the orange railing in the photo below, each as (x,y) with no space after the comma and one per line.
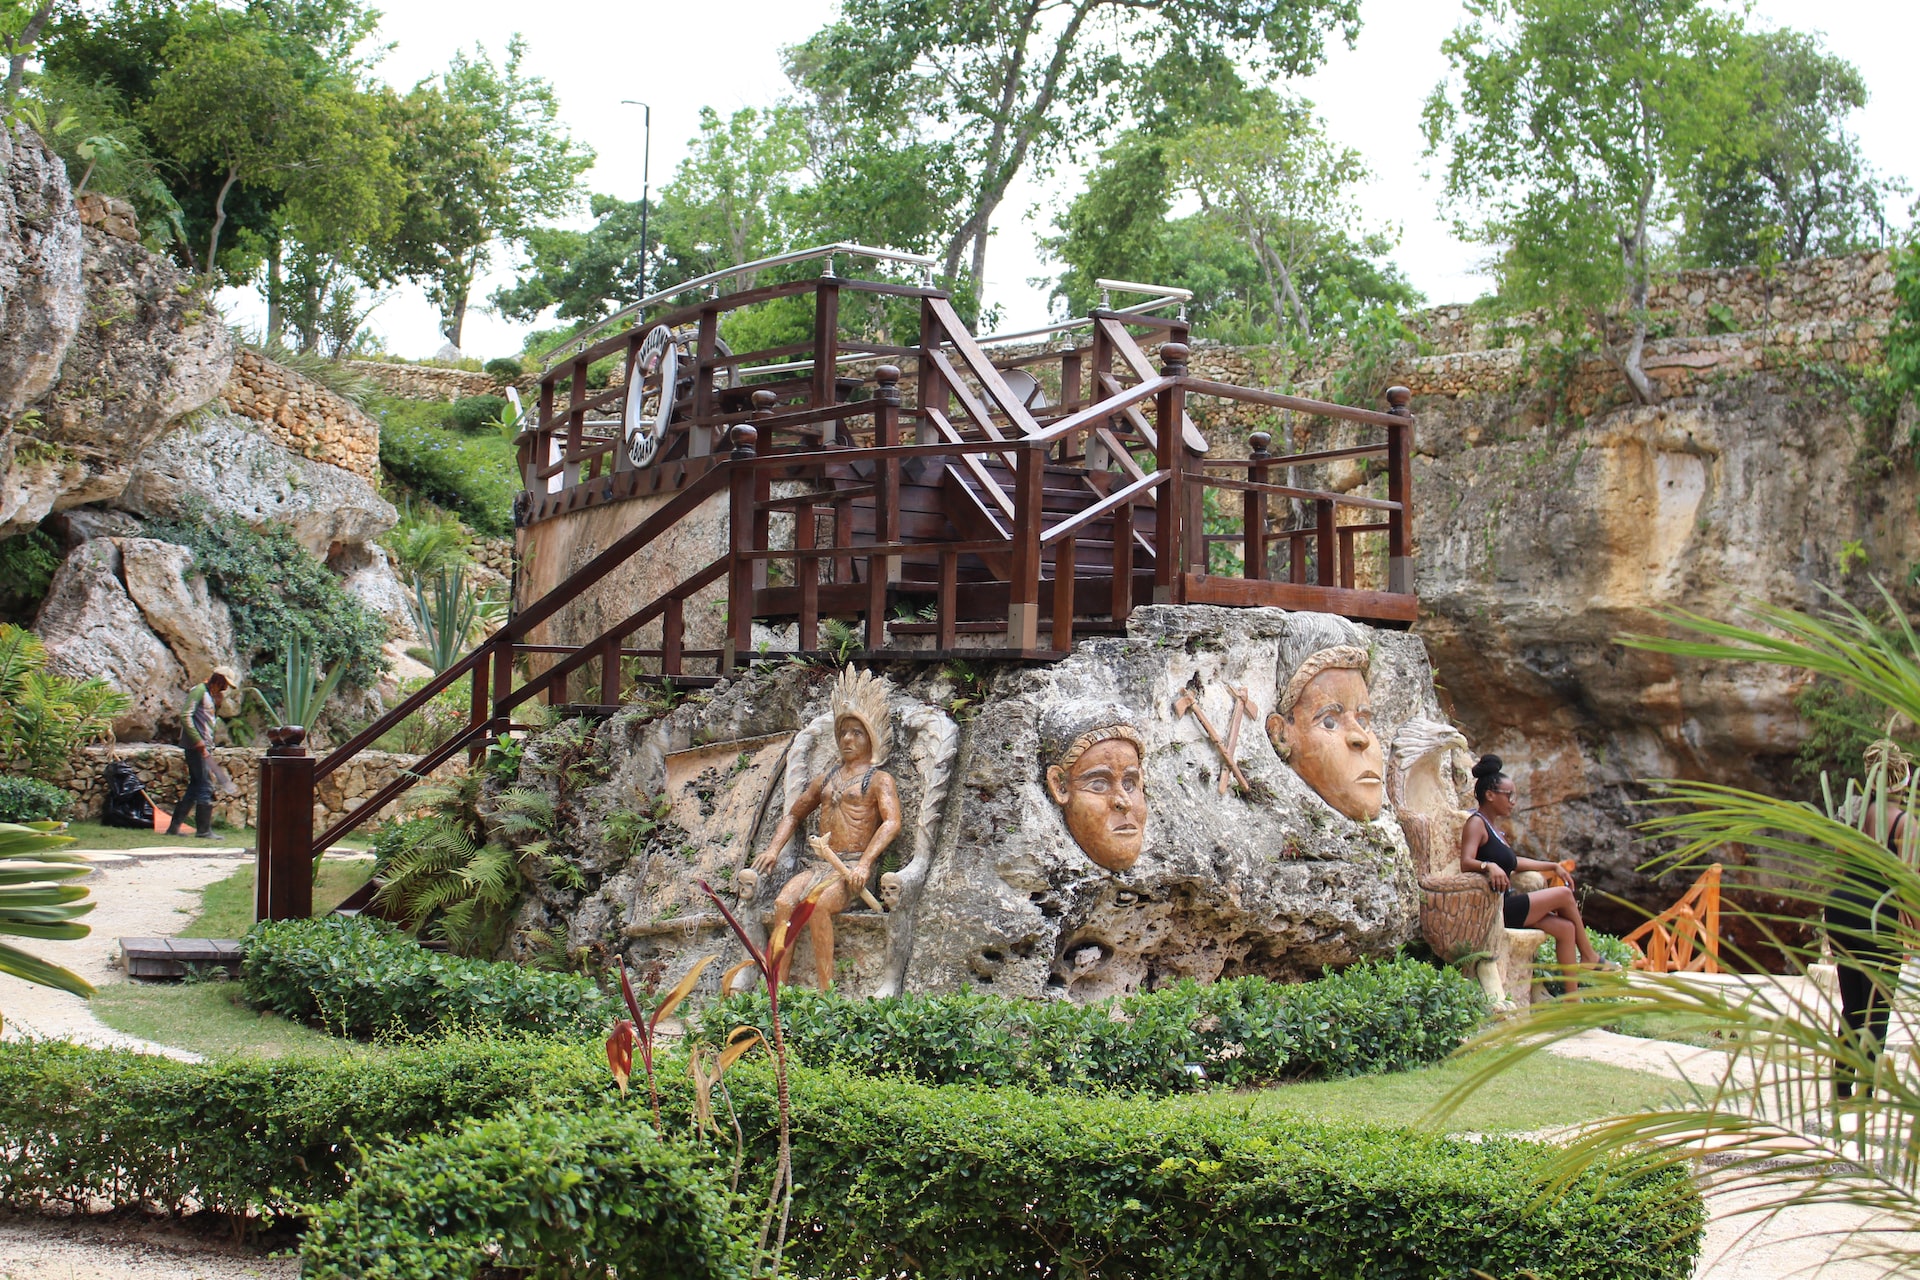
(1685,938)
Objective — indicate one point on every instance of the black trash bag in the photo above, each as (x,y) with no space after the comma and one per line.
(127,803)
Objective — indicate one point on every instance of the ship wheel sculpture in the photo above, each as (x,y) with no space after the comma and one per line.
(656,371)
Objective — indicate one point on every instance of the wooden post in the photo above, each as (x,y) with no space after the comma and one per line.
(944,628)
(1253,509)
(1121,605)
(673,637)
(740,533)
(541,445)
(1023,587)
(1170,534)
(612,683)
(931,387)
(883,571)
(706,349)
(806,576)
(1346,556)
(1323,511)
(1063,574)
(502,674)
(576,425)
(634,388)
(1400,490)
(283,854)
(826,342)
(478,709)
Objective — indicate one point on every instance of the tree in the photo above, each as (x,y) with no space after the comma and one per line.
(22,22)
(1575,125)
(486,160)
(581,274)
(1803,187)
(1014,86)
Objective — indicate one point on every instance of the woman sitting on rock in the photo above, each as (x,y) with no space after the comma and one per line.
(1484,849)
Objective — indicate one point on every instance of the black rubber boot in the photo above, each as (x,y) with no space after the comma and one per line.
(179,819)
(203,820)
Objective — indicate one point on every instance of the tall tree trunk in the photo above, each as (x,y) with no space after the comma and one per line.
(455,288)
(276,291)
(219,220)
(21,47)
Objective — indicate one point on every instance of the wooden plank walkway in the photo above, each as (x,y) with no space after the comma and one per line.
(176,957)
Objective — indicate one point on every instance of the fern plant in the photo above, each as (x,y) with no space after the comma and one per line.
(459,873)
(45,718)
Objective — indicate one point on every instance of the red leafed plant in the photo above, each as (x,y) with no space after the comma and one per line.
(627,1035)
(768,962)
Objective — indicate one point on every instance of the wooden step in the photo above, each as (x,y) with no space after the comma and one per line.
(175,957)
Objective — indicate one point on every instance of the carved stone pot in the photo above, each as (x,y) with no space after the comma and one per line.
(1457,913)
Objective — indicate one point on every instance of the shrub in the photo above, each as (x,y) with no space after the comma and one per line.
(362,977)
(276,589)
(45,718)
(891,1176)
(28,562)
(31,800)
(1371,1017)
(477,413)
(504,370)
(268,1135)
(475,476)
(569,1194)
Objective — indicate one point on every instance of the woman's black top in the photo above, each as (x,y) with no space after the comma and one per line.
(1857,907)
(1495,849)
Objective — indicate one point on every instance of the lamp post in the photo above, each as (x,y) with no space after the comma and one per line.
(646,158)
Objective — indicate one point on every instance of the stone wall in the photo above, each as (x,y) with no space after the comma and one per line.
(425,381)
(303,416)
(164,771)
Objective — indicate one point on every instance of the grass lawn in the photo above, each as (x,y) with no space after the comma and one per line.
(94,835)
(226,906)
(208,1018)
(1547,1091)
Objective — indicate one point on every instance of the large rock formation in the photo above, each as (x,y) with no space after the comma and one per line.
(221,461)
(40,291)
(991,887)
(1541,540)
(92,627)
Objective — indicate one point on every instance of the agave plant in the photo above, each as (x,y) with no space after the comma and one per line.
(33,906)
(1774,1120)
(304,687)
(448,614)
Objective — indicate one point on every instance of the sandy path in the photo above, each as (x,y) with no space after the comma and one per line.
(34,1248)
(147,893)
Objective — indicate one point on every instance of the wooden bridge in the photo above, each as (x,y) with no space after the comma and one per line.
(991,506)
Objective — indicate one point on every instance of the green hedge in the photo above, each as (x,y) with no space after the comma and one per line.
(472,475)
(129,1128)
(31,800)
(567,1194)
(1388,1016)
(362,977)
(892,1176)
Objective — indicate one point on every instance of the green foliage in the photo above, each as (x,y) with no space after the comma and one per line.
(1368,1018)
(276,591)
(28,562)
(335,375)
(561,1195)
(361,977)
(477,413)
(1574,124)
(426,542)
(475,476)
(32,906)
(459,874)
(448,614)
(1841,723)
(45,718)
(486,157)
(302,689)
(1903,333)
(1800,188)
(32,800)
(504,370)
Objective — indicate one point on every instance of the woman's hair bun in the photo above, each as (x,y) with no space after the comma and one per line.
(1489,766)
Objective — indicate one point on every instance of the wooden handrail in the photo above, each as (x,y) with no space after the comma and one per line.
(1143,369)
(1073,524)
(425,765)
(1301,459)
(1273,399)
(391,720)
(1105,409)
(1305,495)
(981,367)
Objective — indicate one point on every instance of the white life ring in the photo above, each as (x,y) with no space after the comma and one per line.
(651,382)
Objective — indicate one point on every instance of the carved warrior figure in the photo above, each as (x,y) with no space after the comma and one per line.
(1322,724)
(1097,777)
(859,810)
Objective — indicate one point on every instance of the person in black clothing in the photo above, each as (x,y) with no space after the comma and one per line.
(1864,932)
(1484,850)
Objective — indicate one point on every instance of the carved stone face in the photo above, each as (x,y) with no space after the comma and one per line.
(1330,742)
(1104,798)
(851,737)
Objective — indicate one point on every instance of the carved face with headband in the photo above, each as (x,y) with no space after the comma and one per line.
(1322,725)
(1098,778)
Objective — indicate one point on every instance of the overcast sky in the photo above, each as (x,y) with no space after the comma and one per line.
(680,57)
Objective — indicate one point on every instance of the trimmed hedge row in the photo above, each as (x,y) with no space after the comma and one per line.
(1369,1018)
(362,977)
(579,1193)
(891,1176)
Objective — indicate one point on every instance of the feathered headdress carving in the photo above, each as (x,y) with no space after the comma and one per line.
(863,695)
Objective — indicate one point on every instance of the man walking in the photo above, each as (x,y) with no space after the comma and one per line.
(196,739)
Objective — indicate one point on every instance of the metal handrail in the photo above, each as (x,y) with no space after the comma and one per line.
(1137,309)
(554,355)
